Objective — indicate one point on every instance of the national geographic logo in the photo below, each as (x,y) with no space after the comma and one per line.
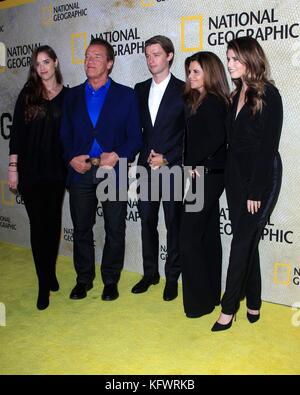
(261,24)
(132,211)
(285,274)
(6,223)
(124,42)
(20,55)
(5,125)
(163,252)
(269,233)
(14,3)
(68,234)
(151,3)
(51,14)
(191,33)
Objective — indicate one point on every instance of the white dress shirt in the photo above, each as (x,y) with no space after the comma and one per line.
(155,95)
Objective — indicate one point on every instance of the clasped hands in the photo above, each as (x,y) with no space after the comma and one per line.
(81,163)
(155,160)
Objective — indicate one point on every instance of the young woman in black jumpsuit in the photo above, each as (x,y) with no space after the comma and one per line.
(207,101)
(36,167)
(253,173)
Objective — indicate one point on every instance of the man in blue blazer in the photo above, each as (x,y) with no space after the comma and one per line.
(162,117)
(100,125)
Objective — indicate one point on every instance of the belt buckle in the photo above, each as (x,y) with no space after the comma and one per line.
(95,161)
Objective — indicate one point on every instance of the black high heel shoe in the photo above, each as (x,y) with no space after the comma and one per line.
(217,327)
(253,317)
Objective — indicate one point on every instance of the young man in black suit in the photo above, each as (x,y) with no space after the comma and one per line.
(162,117)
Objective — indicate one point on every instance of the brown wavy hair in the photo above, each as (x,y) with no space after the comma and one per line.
(34,88)
(215,80)
(250,53)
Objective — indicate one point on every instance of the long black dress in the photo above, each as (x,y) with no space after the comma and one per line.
(42,175)
(254,172)
(200,241)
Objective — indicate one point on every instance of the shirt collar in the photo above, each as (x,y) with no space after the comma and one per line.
(163,84)
(103,89)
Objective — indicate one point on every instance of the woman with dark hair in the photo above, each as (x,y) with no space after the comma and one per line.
(36,168)
(253,173)
(207,99)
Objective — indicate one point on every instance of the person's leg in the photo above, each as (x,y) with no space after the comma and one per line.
(148,212)
(114,213)
(83,205)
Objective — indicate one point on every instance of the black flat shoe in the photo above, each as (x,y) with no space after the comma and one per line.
(143,285)
(80,290)
(110,292)
(217,327)
(170,291)
(253,317)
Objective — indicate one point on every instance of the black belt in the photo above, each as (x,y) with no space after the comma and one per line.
(208,170)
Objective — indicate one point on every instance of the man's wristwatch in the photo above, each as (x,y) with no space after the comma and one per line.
(165,162)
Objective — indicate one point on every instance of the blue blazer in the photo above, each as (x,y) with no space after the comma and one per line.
(118,127)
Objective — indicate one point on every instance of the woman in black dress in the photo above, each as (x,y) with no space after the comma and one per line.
(207,100)
(253,173)
(36,167)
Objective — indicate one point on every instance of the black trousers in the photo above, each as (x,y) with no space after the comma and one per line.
(201,251)
(83,206)
(149,214)
(243,275)
(43,203)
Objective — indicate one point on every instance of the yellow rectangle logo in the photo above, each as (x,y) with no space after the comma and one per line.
(14,3)
(46,15)
(147,3)
(2,57)
(78,47)
(191,33)
(282,273)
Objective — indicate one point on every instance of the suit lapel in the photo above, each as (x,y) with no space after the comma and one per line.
(164,102)
(144,104)
(83,106)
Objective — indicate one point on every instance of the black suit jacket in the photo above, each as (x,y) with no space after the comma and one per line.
(254,141)
(205,139)
(166,135)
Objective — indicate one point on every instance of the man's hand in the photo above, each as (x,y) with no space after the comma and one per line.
(79,164)
(155,160)
(108,160)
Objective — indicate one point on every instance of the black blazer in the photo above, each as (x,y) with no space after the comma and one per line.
(166,136)
(205,138)
(254,140)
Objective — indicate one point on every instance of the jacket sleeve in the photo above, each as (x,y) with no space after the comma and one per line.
(133,141)
(66,132)
(272,117)
(18,125)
